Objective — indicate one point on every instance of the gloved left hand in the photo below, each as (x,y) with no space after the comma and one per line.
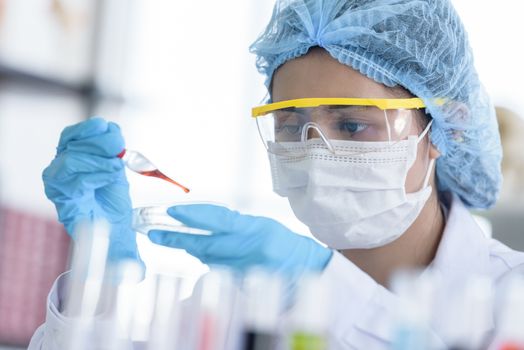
(86,181)
(243,241)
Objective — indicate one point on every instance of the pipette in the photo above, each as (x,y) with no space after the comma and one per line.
(136,162)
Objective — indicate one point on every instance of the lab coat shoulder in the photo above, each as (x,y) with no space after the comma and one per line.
(465,244)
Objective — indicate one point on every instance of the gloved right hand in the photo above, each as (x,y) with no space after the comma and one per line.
(86,181)
(243,241)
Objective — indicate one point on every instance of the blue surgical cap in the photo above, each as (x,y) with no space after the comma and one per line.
(420,45)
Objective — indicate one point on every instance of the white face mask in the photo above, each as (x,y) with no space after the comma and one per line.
(352,201)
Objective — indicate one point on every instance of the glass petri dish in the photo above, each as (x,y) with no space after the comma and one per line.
(157,218)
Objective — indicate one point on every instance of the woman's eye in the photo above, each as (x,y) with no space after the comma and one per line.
(288,123)
(351,127)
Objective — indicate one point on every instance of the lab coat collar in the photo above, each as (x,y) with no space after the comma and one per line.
(463,249)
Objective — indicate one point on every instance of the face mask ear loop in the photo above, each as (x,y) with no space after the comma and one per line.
(428,174)
(311,125)
(261,137)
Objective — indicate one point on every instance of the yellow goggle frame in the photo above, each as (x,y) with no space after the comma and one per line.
(381,103)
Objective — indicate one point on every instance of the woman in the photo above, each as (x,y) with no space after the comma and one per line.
(378,132)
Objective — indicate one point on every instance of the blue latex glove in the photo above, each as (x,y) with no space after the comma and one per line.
(243,241)
(87,181)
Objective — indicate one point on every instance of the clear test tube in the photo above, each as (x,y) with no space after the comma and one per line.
(415,290)
(263,293)
(207,322)
(144,309)
(125,278)
(167,316)
(85,282)
(310,315)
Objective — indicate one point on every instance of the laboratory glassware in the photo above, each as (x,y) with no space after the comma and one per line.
(138,163)
(310,315)
(263,304)
(157,218)
(84,285)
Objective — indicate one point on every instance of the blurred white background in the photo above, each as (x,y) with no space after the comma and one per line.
(178,77)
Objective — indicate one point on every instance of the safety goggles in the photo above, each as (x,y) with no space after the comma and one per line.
(290,127)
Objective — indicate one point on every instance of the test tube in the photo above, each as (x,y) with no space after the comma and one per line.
(167,315)
(310,316)
(263,303)
(415,290)
(211,312)
(85,281)
(118,331)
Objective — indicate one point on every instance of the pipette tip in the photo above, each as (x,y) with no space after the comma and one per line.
(121,154)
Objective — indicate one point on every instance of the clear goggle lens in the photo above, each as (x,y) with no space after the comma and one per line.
(292,131)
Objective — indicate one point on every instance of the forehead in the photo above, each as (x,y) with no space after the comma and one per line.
(317,74)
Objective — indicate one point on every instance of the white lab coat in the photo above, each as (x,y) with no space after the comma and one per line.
(363,311)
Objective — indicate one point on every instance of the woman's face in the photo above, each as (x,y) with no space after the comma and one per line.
(317,74)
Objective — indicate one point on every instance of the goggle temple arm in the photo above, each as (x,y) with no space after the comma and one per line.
(261,136)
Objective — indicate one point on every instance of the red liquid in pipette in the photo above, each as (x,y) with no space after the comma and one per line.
(158,174)
(153,173)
